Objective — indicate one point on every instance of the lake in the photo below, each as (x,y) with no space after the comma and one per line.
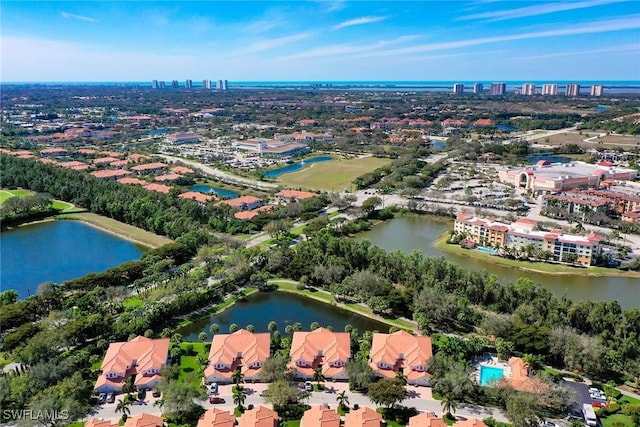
(408,233)
(220,192)
(283,308)
(296,166)
(57,251)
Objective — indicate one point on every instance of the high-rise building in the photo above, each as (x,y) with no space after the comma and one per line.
(188,84)
(477,88)
(225,85)
(219,85)
(498,88)
(550,89)
(573,89)
(529,89)
(162,85)
(206,84)
(154,84)
(174,84)
(458,88)
(596,90)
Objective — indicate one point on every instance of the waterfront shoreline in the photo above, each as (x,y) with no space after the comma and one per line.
(440,243)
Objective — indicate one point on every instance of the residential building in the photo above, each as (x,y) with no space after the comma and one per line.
(458,88)
(401,352)
(144,420)
(294,195)
(222,85)
(182,170)
(240,350)
(53,152)
(132,181)
(630,217)
(528,89)
(201,198)
(170,177)
(498,88)
(244,203)
(161,84)
(249,215)
(154,84)
(550,89)
(522,234)
(107,174)
(363,417)
(148,167)
(188,84)
(159,188)
(572,89)
(142,357)
(259,416)
(596,90)
(97,422)
(206,84)
(426,419)
(545,177)
(216,418)
(182,138)
(320,416)
(330,351)
(470,422)
(478,88)
(174,84)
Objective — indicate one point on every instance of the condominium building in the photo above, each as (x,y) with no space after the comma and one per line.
(206,84)
(522,233)
(573,89)
(458,88)
(498,88)
(154,84)
(596,90)
(188,84)
(529,89)
(162,85)
(222,85)
(477,88)
(174,84)
(550,89)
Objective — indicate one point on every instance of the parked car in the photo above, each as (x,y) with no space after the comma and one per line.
(216,400)
(264,393)
(102,397)
(142,394)
(308,386)
(111,397)
(213,388)
(156,393)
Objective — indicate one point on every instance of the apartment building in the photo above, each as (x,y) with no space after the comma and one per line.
(550,89)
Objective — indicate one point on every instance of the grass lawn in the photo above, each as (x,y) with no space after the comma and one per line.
(335,175)
(7,194)
(190,368)
(628,399)
(293,423)
(132,302)
(617,419)
(541,267)
(290,286)
(126,231)
(391,423)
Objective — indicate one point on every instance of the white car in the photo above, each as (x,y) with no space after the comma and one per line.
(213,388)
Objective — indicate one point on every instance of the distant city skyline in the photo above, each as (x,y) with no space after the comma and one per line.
(68,41)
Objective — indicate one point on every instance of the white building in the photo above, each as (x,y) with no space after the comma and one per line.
(550,89)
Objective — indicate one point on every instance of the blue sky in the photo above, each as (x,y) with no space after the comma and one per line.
(320,40)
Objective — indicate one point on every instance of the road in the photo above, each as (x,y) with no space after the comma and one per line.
(419,397)
(221,175)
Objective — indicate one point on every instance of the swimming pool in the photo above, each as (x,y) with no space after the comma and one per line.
(490,375)
(487,250)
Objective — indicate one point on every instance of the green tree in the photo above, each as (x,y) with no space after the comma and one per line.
(8,297)
(214,328)
(275,367)
(314,326)
(360,374)
(202,336)
(288,329)
(387,392)
(369,205)
(272,326)
(449,403)
(239,396)
(402,377)
(343,400)
(523,410)
(233,328)
(123,407)
(318,376)
(281,392)
(250,328)
(237,376)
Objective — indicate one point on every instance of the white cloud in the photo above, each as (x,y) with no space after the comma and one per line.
(628,23)
(68,15)
(347,48)
(629,48)
(541,9)
(269,44)
(359,21)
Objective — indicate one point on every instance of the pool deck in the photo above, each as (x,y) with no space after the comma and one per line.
(490,361)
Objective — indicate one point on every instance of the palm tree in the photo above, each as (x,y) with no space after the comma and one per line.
(237,376)
(239,396)
(314,326)
(123,406)
(343,400)
(250,328)
(288,329)
(317,375)
(272,326)
(214,328)
(202,337)
(297,326)
(402,377)
(233,328)
(127,387)
(449,403)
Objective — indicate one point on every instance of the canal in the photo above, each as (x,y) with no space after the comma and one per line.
(283,308)
(57,251)
(411,233)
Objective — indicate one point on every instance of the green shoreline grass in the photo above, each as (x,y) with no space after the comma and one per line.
(286,285)
(215,309)
(536,267)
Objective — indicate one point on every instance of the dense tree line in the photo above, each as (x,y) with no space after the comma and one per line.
(601,339)
(406,172)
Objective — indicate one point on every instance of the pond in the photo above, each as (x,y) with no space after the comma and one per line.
(283,308)
(220,192)
(296,166)
(57,251)
(409,233)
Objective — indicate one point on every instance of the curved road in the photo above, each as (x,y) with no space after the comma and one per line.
(221,175)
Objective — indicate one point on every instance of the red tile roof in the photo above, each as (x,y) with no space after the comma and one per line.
(160,188)
(110,173)
(198,197)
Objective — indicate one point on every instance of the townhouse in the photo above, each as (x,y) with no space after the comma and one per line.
(320,349)
(401,352)
(240,350)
